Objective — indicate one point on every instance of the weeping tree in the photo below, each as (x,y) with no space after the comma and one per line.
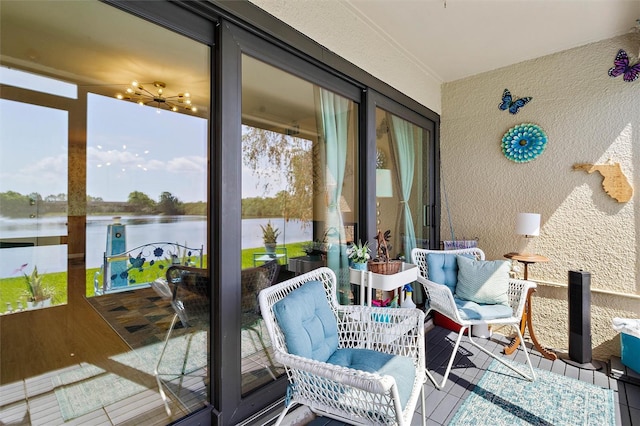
(284,163)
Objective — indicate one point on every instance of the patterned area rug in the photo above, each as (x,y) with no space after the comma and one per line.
(140,316)
(90,387)
(502,397)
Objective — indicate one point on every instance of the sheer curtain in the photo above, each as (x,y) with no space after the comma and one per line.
(404,136)
(333,128)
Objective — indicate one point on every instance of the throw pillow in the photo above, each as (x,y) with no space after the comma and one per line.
(483,281)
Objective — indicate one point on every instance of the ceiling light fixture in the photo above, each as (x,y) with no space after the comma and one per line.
(137,93)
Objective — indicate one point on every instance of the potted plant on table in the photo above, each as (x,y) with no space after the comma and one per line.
(382,264)
(359,254)
(270,237)
(37,293)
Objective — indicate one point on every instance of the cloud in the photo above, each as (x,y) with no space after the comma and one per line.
(189,164)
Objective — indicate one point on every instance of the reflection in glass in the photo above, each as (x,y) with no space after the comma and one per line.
(400,184)
(72,158)
(300,177)
(33,206)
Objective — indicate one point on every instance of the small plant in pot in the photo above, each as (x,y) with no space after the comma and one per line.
(37,293)
(270,237)
(359,254)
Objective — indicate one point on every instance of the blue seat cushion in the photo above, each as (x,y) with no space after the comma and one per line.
(401,368)
(307,322)
(469,310)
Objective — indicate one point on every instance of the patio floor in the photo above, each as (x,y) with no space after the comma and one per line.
(442,405)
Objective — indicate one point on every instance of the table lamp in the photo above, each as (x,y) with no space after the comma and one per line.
(528,225)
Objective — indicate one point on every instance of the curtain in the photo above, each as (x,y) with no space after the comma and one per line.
(332,113)
(404,136)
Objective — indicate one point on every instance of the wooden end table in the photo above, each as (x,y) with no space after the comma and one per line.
(527,320)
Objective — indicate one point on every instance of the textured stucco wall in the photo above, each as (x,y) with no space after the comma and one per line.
(588,117)
(338,28)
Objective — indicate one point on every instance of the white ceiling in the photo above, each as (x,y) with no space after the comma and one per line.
(453,39)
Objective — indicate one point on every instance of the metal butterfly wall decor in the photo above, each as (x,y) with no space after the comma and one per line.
(509,104)
(621,67)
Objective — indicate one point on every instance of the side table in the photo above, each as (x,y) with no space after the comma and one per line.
(368,280)
(527,320)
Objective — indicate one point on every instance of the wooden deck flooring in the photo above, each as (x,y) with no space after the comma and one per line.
(33,401)
(442,405)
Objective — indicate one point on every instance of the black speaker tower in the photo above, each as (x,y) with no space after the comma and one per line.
(580,320)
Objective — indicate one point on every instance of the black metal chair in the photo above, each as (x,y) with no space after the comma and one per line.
(253,280)
(190,290)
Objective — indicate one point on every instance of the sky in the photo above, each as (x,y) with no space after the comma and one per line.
(129,148)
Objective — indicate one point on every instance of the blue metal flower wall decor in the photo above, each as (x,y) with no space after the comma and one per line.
(524,142)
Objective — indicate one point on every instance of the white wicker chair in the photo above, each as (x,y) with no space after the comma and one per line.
(340,392)
(441,299)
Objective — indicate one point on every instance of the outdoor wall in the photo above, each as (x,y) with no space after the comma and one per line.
(588,117)
(340,29)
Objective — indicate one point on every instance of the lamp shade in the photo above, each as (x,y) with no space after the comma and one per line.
(384,187)
(528,224)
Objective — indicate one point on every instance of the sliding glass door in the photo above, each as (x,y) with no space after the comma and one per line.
(299,192)
(405,183)
(105,289)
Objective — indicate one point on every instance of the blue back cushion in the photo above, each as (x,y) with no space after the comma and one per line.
(443,269)
(307,322)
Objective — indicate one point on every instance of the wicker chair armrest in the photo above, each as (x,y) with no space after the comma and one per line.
(518,291)
(370,382)
(440,299)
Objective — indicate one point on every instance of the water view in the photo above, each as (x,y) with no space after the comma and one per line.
(140,230)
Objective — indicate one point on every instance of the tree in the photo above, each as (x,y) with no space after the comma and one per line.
(268,154)
(169,205)
(141,202)
(14,204)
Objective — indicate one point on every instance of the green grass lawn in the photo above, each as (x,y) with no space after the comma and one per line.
(14,289)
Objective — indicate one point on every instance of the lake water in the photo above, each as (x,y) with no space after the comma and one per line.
(140,230)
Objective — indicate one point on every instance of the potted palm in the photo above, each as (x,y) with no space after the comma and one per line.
(38,294)
(270,237)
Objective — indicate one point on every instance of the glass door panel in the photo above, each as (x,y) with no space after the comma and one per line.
(33,206)
(299,192)
(403,199)
(131,346)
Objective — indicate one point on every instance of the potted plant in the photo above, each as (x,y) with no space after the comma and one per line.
(359,254)
(38,294)
(314,249)
(270,237)
(382,264)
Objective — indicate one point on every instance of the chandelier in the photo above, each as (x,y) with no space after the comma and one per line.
(137,93)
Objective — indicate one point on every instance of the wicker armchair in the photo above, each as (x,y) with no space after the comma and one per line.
(357,364)
(440,298)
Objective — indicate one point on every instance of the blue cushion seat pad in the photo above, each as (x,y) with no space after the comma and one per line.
(401,368)
(307,322)
(469,310)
